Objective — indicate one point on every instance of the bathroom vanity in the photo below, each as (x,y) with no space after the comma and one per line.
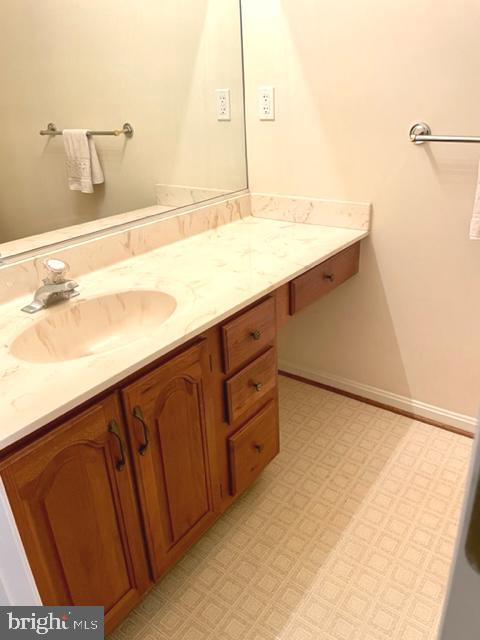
(109,495)
(135,411)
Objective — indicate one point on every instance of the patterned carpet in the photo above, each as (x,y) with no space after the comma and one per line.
(347,535)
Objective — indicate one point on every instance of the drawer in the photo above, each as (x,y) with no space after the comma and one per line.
(253,447)
(251,384)
(317,282)
(249,334)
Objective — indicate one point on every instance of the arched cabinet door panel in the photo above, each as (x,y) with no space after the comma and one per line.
(168,427)
(72,495)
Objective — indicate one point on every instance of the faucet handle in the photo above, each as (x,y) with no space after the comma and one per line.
(56,270)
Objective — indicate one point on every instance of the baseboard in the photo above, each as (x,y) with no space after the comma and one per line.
(436,416)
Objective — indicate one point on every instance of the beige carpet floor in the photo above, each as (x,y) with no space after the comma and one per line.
(347,535)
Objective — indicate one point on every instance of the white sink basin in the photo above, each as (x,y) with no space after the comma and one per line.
(75,330)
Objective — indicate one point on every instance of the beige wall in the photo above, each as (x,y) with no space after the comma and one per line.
(84,63)
(351,77)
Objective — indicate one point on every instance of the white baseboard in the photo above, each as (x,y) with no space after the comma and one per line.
(403,403)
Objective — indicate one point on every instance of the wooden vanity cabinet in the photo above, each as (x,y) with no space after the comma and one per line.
(107,501)
(169,418)
(111,498)
(72,495)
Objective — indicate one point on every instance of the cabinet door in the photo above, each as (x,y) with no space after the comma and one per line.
(73,500)
(167,425)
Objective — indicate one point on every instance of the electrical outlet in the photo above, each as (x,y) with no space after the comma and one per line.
(223,104)
(266,103)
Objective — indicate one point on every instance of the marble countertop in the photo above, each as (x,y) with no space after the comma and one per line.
(212,275)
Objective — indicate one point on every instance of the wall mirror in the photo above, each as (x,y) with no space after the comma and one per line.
(169,69)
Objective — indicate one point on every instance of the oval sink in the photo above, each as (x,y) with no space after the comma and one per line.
(92,326)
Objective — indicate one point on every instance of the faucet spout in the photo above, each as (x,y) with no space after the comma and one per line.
(49,292)
(55,288)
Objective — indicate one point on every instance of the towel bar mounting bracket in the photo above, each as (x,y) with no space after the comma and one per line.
(419,129)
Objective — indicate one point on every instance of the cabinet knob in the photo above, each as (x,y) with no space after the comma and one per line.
(258,386)
(256,334)
(329,276)
(258,447)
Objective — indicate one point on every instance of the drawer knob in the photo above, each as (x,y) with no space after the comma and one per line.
(255,334)
(258,447)
(329,276)
(258,386)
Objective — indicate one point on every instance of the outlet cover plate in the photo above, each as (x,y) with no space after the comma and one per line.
(266,103)
(223,104)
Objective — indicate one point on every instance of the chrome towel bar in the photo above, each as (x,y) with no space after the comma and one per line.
(127,129)
(420,132)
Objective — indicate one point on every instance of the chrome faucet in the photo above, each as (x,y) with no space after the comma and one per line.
(55,288)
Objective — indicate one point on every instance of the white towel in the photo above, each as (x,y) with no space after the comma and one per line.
(83,166)
(475,222)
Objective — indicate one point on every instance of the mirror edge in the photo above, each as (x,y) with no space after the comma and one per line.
(116,228)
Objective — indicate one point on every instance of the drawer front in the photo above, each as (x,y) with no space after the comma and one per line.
(249,334)
(317,282)
(253,447)
(251,384)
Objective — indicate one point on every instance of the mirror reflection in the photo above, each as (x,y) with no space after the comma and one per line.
(115,110)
